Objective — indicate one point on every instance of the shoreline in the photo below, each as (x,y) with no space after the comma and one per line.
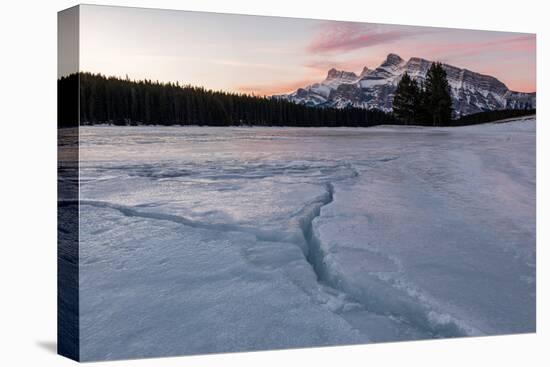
(511,119)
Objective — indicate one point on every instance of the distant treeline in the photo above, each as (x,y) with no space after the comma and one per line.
(490,116)
(111,100)
(125,102)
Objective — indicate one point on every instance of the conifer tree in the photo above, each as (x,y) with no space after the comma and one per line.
(437,96)
(406,100)
(423,116)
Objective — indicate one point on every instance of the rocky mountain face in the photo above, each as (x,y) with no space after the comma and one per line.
(471,92)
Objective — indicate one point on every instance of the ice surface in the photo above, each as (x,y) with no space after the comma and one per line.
(201,240)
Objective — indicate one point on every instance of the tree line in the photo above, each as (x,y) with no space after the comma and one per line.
(490,116)
(90,99)
(121,101)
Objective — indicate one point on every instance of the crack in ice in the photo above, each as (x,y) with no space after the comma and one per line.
(312,250)
(422,317)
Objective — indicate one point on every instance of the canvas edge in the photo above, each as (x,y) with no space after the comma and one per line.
(68,330)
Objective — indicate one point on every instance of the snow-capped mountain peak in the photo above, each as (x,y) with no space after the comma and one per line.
(392,60)
(342,75)
(364,72)
(471,92)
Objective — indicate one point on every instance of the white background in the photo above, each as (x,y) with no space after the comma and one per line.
(28,182)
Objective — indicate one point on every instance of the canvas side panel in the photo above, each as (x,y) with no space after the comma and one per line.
(68,184)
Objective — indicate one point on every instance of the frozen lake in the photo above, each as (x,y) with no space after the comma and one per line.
(202,240)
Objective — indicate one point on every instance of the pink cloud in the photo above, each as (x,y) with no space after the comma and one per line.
(342,36)
(510,59)
(452,50)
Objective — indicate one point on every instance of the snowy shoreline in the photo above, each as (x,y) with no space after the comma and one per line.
(512,119)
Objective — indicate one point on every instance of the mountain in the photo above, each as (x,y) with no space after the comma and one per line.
(471,92)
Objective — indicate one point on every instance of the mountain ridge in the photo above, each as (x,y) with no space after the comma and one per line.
(471,92)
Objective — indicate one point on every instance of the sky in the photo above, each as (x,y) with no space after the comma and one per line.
(272,55)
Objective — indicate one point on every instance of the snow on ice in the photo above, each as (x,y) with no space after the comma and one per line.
(201,240)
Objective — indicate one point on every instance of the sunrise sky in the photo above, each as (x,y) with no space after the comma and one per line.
(270,55)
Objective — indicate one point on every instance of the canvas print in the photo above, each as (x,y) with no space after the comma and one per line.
(234,183)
